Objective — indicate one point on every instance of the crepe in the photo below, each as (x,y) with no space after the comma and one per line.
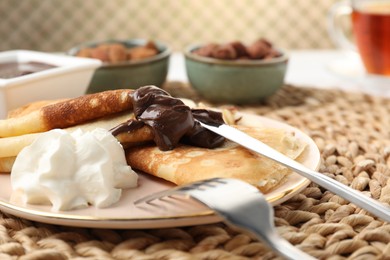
(11,146)
(67,113)
(6,164)
(186,164)
(88,112)
(31,107)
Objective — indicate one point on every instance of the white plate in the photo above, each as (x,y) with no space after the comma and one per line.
(125,214)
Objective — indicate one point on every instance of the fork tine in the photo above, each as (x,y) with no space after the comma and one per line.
(179,189)
(155,196)
(202,184)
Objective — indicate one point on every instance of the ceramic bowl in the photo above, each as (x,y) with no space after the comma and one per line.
(28,76)
(129,74)
(235,81)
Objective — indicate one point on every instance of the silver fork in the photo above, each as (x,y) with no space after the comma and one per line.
(241,205)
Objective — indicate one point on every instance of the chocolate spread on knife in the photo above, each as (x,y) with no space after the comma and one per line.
(171,120)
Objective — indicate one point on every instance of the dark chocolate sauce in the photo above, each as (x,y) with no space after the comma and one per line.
(171,120)
(13,69)
(200,136)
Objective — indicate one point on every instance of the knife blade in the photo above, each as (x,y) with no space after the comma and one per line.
(358,198)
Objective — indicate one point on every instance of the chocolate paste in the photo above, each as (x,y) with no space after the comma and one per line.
(171,120)
(13,69)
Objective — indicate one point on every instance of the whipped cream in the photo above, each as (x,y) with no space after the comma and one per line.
(72,170)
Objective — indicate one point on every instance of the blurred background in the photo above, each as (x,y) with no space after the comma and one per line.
(57,25)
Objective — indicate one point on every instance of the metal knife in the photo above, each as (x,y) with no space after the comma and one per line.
(373,206)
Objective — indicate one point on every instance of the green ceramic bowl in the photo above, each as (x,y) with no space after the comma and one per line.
(234,81)
(130,74)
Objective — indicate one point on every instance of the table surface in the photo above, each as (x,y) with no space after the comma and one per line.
(315,68)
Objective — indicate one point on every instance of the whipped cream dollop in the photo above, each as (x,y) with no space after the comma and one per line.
(72,170)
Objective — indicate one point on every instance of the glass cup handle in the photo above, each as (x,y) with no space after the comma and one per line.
(336,32)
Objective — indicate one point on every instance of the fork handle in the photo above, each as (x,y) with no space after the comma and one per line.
(285,249)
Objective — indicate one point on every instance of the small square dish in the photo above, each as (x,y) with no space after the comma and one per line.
(28,76)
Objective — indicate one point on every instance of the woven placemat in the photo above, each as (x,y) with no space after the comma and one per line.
(352,131)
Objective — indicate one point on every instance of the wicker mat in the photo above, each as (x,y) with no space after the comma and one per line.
(352,131)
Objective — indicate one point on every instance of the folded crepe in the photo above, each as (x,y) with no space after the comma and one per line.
(186,164)
(23,125)
(65,113)
(11,146)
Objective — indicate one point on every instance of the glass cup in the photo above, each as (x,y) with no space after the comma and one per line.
(370,29)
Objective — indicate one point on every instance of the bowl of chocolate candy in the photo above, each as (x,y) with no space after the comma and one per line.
(234,72)
(126,63)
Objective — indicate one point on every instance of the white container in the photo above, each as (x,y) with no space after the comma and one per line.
(70,78)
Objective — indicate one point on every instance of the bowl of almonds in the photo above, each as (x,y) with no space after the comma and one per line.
(126,63)
(235,72)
